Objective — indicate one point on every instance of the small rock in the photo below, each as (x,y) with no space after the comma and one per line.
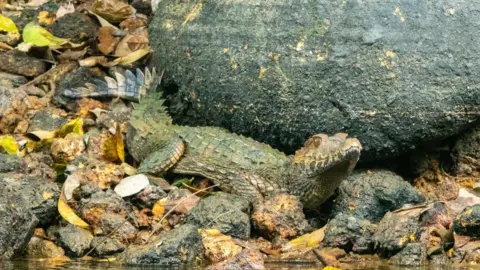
(97,171)
(18,62)
(176,247)
(182,200)
(46,120)
(74,240)
(369,195)
(143,6)
(247,259)
(105,246)
(350,234)
(468,222)
(413,254)
(41,248)
(41,164)
(11,80)
(218,247)
(131,185)
(66,149)
(85,191)
(466,154)
(122,229)
(10,163)
(14,236)
(76,26)
(280,216)
(222,211)
(149,196)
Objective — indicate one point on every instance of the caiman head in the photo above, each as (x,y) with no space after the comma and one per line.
(320,166)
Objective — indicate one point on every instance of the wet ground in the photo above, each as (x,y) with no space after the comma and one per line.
(81,265)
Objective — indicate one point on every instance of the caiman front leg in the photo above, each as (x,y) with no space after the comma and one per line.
(164,158)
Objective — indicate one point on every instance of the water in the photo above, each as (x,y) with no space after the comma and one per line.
(84,265)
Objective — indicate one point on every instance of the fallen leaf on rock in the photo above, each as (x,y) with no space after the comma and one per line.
(36,3)
(130,58)
(158,209)
(65,9)
(45,18)
(40,37)
(131,185)
(102,21)
(47,195)
(7,25)
(74,126)
(40,135)
(113,11)
(70,185)
(67,213)
(310,240)
(9,144)
(113,149)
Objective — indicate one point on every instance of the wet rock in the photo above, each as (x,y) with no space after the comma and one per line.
(76,26)
(10,163)
(468,222)
(74,240)
(218,247)
(369,195)
(176,247)
(466,154)
(39,195)
(46,120)
(17,224)
(17,62)
(149,196)
(226,212)
(351,67)
(413,254)
(281,216)
(350,234)
(41,248)
(105,246)
(394,232)
(117,227)
(247,259)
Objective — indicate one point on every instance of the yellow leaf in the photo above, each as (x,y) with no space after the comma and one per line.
(158,209)
(330,268)
(47,195)
(67,213)
(130,58)
(7,25)
(40,135)
(74,126)
(113,149)
(309,240)
(9,144)
(39,36)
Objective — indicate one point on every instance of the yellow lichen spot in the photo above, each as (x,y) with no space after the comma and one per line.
(390,54)
(412,237)
(187,54)
(330,268)
(47,195)
(193,13)
(245,46)
(397,11)
(234,64)
(300,44)
(270,54)
(402,19)
(302,60)
(450,11)
(468,212)
(225,50)
(168,25)
(320,57)
(276,58)
(261,73)
(403,240)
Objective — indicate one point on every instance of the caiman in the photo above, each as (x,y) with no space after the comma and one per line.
(235,163)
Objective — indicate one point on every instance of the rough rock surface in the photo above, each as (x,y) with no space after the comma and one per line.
(413,254)
(41,248)
(466,154)
(247,259)
(179,246)
(77,26)
(17,222)
(18,62)
(74,240)
(105,246)
(10,163)
(369,195)
(468,222)
(350,234)
(281,216)
(382,71)
(222,211)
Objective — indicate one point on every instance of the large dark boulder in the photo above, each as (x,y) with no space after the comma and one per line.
(396,74)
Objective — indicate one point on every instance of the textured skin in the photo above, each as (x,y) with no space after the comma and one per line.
(238,164)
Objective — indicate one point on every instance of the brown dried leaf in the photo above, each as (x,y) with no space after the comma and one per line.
(72,55)
(107,41)
(113,149)
(132,42)
(113,11)
(93,61)
(130,58)
(133,23)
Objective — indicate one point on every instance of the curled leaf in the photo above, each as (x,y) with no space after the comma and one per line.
(130,58)
(67,213)
(9,144)
(113,11)
(113,148)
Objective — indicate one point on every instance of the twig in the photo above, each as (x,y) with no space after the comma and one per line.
(174,207)
(5,46)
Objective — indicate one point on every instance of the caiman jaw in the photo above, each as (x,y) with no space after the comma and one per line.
(322,164)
